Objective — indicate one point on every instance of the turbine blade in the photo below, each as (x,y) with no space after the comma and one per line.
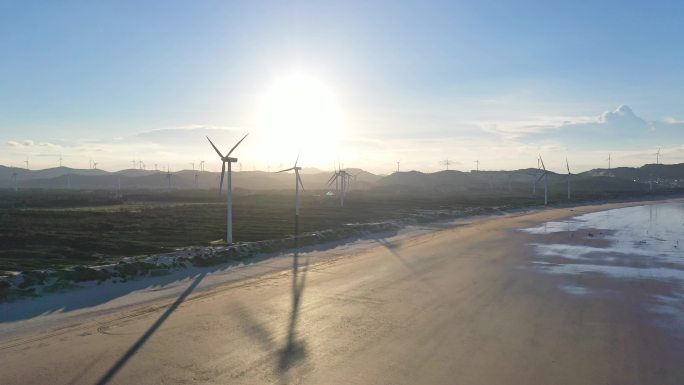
(299,180)
(332,178)
(237,144)
(296,160)
(567,165)
(287,169)
(542,163)
(223,172)
(215,149)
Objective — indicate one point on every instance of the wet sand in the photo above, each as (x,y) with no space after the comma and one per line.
(464,305)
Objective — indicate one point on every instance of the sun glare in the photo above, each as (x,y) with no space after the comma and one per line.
(300,110)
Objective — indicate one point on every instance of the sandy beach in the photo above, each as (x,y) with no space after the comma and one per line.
(474,303)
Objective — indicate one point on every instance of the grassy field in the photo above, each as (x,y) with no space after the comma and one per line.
(40,229)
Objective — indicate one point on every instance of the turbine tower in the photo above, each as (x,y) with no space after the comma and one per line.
(609,159)
(227,159)
(168,179)
(398,163)
(298,183)
(657,154)
(26,161)
(14,179)
(446,163)
(545,175)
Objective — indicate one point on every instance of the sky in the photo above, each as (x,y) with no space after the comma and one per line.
(361,83)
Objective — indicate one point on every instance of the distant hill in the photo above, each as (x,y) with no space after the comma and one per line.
(643,173)
(64,177)
(621,178)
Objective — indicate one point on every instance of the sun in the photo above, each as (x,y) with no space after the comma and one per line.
(300,110)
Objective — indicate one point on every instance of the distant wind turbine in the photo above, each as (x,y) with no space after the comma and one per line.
(27,163)
(446,163)
(398,163)
(298,183)
(227,159)
(168,178)
(609,159)
(657,154)
(545,175)
(342,177)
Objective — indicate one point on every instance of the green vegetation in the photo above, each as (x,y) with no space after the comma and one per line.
(48,229)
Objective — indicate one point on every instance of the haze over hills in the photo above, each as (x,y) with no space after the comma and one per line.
(448,180)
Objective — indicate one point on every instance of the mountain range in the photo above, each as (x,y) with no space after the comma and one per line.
(313,179)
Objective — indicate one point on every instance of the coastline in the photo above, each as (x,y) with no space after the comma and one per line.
(92,300)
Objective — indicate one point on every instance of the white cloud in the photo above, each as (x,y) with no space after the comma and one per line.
(672,120)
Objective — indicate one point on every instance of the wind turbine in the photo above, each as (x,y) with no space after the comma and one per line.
(341,177)
(26,161)
(535,176)
(196,174)
(609,159)
(94,165)
(227,159)
(168,178)
(446,163)
(569,174)
(545,175)
(657,154)
(298,183)
(398,163)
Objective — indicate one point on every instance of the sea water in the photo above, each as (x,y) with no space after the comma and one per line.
(640,243)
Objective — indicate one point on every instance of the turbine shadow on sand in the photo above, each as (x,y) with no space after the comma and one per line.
(143,339)
(294,350)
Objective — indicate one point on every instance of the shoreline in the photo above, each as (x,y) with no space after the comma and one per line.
(144,293)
